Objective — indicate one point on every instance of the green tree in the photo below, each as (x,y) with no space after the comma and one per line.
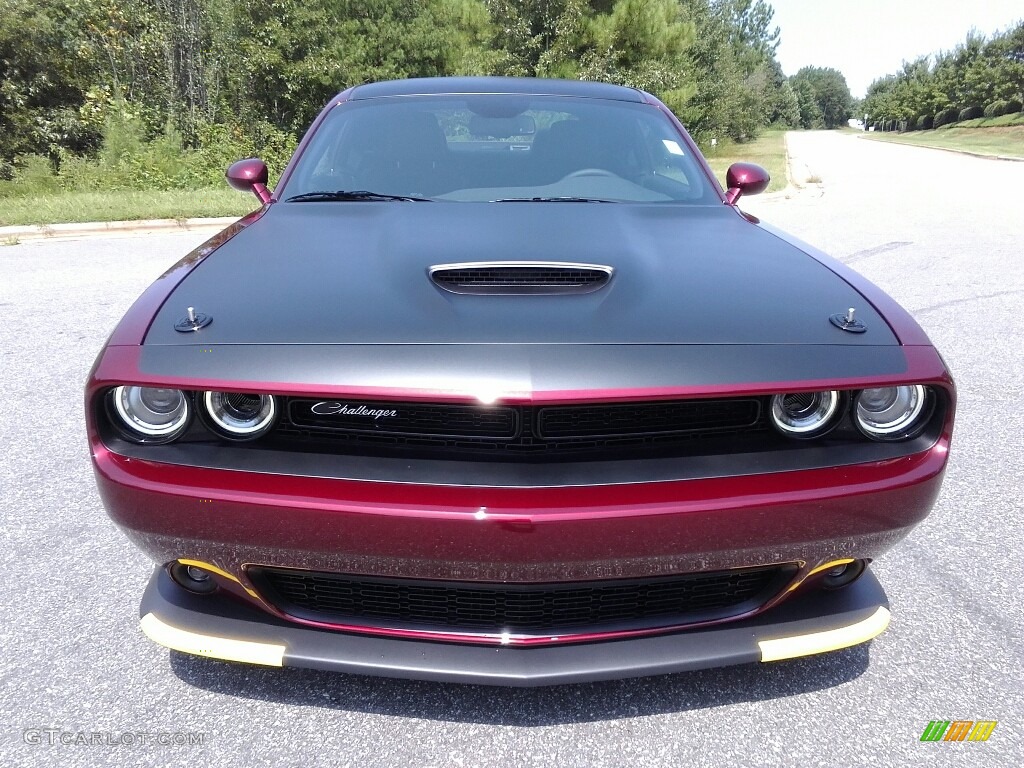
(159,77)
(999,72)
(642,43)
(810,112)
(722,106)
(753,38)
(781,106)
(537,36)
(295,55)
(823,94)
(44,74)
(975,73)
(124,42)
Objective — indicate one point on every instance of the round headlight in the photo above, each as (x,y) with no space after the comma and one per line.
(805,414)
(239,415)
(151,414)
(891,413)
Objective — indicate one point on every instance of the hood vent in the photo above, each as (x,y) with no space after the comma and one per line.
(512,278)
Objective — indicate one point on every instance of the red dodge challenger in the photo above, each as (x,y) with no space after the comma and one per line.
(499,386)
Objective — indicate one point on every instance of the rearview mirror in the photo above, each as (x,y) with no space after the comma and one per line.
(250,175)
(745,179)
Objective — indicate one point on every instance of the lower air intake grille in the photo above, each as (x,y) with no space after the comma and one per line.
(489,607)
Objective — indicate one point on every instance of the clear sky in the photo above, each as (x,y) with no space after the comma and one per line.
(867,39)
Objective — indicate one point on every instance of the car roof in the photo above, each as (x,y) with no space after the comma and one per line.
(500,85)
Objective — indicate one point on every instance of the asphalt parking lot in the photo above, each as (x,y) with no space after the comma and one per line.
(941,232)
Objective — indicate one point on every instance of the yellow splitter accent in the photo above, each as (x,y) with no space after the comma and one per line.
(266,654)
(829,640)
(271,655)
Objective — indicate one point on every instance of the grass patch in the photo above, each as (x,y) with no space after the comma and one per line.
(133,176)
(123,205)
(1004,140)
(1015,118)
(768,150)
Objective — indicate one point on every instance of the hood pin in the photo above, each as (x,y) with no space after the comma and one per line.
(848,322)
(192,322)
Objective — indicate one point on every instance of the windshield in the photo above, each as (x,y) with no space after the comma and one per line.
(489,147)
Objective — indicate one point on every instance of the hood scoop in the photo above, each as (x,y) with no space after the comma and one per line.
(518,278)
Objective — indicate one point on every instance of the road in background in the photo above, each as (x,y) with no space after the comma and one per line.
(938,231)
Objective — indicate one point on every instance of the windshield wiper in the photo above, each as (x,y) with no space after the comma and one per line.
(355,194)
(551,200)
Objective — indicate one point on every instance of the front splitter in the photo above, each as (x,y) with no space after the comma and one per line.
(217,626)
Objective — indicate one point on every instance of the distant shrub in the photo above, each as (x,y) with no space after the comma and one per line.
(33,175)
(129,159)
(220,145)
(911,124)
(925,122)
(1013,106)
(159,164)
(123,136)
(946,116)
(995,109)
(79,173)
(971,113)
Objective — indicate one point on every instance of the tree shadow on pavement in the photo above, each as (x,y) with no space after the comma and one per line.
(553,705)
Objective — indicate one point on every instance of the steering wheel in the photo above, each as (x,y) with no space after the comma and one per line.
(592,172)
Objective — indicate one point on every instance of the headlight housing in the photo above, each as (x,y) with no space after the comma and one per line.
(806,414)
(891,413)
(151,414)
(239,415)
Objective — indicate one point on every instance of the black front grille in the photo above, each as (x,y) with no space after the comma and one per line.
(520,279)
(647,418)
(490,607)
(404,418)
(517,433)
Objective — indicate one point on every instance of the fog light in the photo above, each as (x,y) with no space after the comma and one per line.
(842,575)
(192,578)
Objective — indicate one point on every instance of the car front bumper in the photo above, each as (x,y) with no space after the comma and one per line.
(220,627)
(226,522)
(233,519)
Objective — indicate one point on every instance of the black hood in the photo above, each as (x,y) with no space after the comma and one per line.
(357,273)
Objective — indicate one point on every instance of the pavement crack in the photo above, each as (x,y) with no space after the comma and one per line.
(869,252)
(954,302)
